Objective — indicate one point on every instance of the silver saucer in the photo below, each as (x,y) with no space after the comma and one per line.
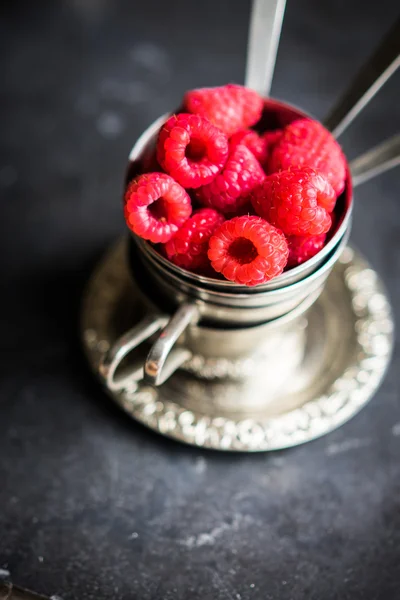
(348,344)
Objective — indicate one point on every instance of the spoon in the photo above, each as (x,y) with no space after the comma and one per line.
(264,32)
(379,159)
(377,70)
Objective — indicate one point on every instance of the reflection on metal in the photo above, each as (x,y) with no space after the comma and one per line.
(300,386)
(264,32)
(376,161)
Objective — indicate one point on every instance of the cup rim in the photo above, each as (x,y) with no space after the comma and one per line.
(219,296)
(282,280)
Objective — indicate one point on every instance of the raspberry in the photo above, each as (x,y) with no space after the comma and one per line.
(230,107)
(155,206)
(248,250)
(254,142)
(229,191)
(301,248)
(260,145)
(307,143)
(188,248)
(270,139)
(297,201)
(191,150)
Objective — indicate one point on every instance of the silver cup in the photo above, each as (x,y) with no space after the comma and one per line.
(198,323)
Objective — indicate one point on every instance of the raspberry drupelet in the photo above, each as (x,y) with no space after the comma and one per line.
(307,143)
(155,206)
(191,149)
(230,189)
(248,250)
(297,201)
(188,248)
(230,107)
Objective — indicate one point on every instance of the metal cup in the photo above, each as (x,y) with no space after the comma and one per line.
(200,320)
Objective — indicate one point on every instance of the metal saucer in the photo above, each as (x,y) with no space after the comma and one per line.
(348,343)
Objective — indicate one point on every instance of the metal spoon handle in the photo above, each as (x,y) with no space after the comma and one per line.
(264,33)
(163,358)
(379,159)
(378,69)
(130,340)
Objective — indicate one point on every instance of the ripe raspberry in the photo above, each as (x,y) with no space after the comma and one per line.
(230,189)
(254,142)
(230,107)
(248,250)
(307,143)
(188,248)
(270,139)
(156,206)
(297,201)
(191,150)
(301,248)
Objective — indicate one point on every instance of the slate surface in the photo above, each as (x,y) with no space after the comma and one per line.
(93,506)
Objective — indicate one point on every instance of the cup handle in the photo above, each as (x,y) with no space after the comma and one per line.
(132,338)
(163,359)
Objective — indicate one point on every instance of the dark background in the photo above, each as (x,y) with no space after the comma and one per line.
(93,506)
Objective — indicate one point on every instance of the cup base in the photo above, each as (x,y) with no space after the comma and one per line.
(348,340)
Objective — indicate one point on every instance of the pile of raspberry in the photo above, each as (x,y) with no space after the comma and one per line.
(222,199)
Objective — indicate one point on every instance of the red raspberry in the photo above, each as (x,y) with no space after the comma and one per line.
(270,139)
(155,206)
(230,189)
(254,142)
(297,201)
(307,143)
(301,248)
(248,250)
(260,145)
(230,107)
(188,248)
(191,149)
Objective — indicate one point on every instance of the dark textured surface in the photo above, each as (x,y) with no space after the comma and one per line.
(92,506)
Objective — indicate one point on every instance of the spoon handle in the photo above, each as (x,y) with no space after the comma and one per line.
(378,69)
(264,33)
(379,159)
